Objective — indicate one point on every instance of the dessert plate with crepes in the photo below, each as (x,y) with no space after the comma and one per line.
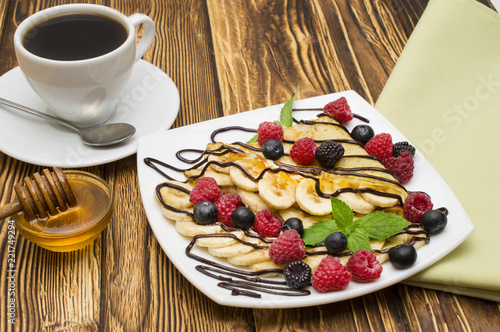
(288,190)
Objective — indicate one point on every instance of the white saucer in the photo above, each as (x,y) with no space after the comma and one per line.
(150,102)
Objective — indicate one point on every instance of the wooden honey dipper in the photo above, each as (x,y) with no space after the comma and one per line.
(43,196)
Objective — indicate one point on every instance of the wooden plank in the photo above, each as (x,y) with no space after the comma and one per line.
(225,57)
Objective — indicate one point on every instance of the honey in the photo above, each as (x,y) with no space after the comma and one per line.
(79,225)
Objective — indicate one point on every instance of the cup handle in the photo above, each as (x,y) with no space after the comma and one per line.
(148,36)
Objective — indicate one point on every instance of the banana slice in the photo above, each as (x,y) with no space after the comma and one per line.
(222,179)
(225,158)
(309,200)
(219,242)
(380,201)
(190,228)
(253,257)
(254,165)
(268,264)
(177,199)
(178,216)
(307,219)
(233,250)
(356,202)
(253,201)
(277,190)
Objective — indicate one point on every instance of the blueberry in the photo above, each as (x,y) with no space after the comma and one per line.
(362,133)
(434,221)
(205,212)
(403,256)
(243,217)
(335,242)
(294,223)
(272,149)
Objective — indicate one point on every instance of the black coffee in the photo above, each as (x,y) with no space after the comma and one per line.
(75,37)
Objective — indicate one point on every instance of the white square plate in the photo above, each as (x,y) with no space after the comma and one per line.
(163,146)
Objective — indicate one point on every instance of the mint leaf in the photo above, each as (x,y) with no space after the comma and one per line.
(379,226)
(286,119)
(342,213)
(253,139)
(357,240)
(318,232)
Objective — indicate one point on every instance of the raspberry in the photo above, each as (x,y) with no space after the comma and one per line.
(297,274)
(380,146)
(226,204)
(364,266)
(400,147)
(402,166)
(339,109)
(267,224)
(206,189)
(329,153)
(330,275)
(303,151)
(268,130)
(288,247)
(416,204)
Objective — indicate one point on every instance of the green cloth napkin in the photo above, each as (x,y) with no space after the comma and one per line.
(444,96)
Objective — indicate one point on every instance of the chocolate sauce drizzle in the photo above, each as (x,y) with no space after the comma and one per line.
(249,280)
(249,283)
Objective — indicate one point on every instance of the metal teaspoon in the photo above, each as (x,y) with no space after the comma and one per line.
(102,135)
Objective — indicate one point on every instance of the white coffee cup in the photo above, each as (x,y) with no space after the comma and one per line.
(84,92)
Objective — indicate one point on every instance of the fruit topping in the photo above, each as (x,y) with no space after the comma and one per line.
(269,130)
(403,256)
(330,275)
(364,266)
(205,212)
(267,224)
(401,166)
(297,274)
(416,204)
(400,147)
(303,151)
(226,204)
(294,223)
(329,153)
(380,146)
(272,149)
(206,189)
(335,242)
(339,109)
(287,247)
(362,133)
(434,221)
(243,217)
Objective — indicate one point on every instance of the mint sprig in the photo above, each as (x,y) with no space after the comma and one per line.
(376,226)
(286,119)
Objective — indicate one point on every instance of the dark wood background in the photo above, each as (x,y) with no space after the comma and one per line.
(225,56)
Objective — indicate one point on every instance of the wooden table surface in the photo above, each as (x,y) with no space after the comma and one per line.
(226,57)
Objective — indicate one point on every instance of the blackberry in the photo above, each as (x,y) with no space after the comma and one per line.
(362,133)
(403,256)
(205,212)
(272,149)
(335,242)
(434,221)
(297,274)
(243,217)
(329,153)
(400,147)
(294,223)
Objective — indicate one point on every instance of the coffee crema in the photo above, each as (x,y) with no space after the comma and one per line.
(75,37)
